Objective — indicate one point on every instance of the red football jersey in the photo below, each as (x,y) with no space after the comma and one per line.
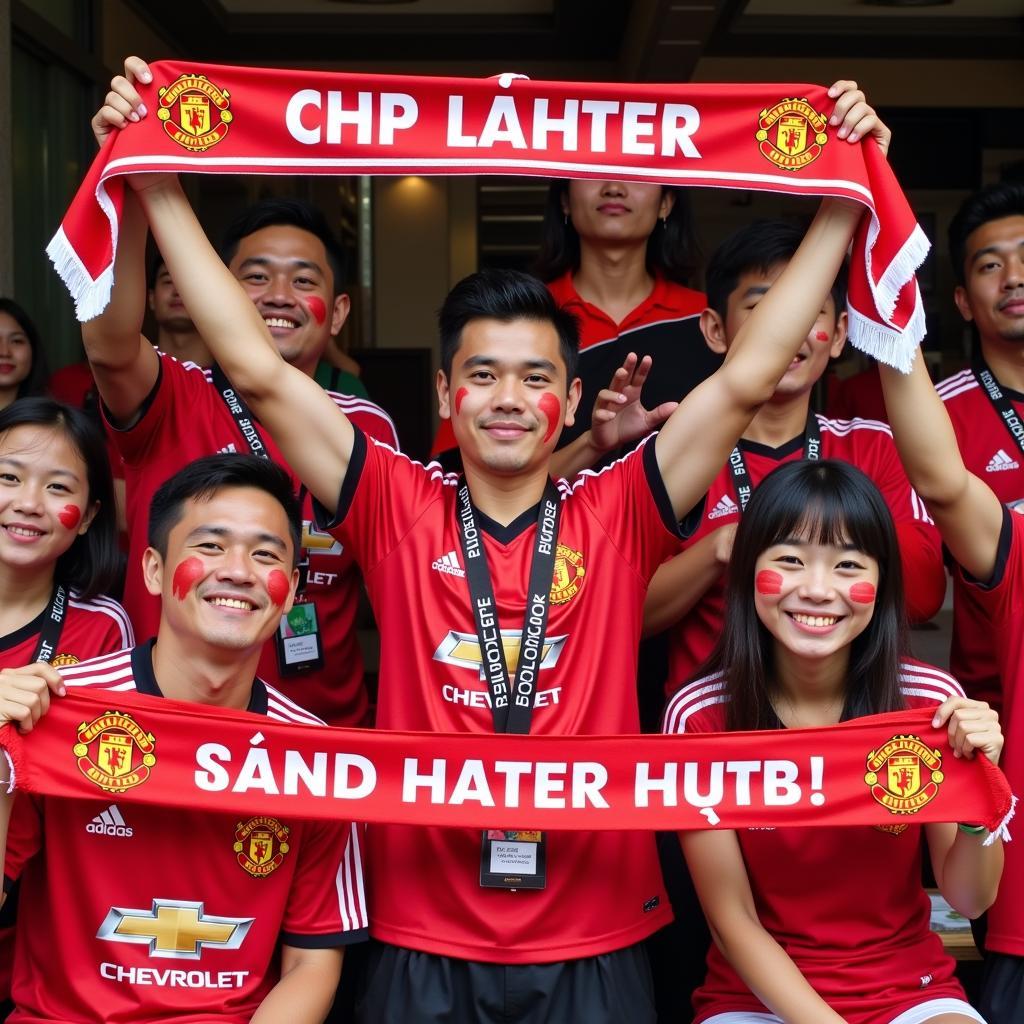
(91,628)
(869,959)
(170,916)
(665,326)
(866,444)
(184,419)
(604,890)
(1001,601)
(990,452)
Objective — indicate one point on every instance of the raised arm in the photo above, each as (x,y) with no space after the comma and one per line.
(124,364)
(968,514)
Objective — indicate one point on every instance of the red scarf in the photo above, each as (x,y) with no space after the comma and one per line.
(887,770)
(224,120)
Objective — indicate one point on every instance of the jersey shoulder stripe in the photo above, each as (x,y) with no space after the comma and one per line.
(843,428)
(285,710)
(920,680)
(356,404)
(112,609)
(699,694)
(111,671)
(432,469)
(591,474)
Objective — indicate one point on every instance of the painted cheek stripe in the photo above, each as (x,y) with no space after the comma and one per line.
(186,576)
(70,516)
(821,336)
(863,593)
(768,582)
(552,409)
(459,396)
(317,307)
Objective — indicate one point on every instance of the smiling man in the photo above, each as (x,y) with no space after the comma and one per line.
(162,414)
(176,916)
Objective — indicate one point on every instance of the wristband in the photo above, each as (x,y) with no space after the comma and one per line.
(972,830)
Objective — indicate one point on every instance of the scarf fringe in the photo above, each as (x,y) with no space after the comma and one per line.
(901,269)
(91,296)
(13,775)
(1001,831)
(887,344)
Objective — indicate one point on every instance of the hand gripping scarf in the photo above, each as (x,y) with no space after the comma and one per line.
(224,120)
(886,770)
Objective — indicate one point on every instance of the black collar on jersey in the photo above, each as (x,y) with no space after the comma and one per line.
(145,679)
(1002,401)
(507,534)
(47,625)
(776,454)
(810,442)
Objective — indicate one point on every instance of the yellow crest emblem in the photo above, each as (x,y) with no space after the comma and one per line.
(114,752)
(568,574)
(791,134)
(195,112)
(904,774)
(261,844)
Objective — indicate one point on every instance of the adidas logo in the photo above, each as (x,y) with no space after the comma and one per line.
(228,449)
(109,823)
(449,564)
(725,507)
(1001,461)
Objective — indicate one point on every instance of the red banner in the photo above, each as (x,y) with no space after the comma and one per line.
(226,120)
(887,770)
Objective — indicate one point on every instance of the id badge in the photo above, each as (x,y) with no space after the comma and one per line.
(298,640)
(513,859)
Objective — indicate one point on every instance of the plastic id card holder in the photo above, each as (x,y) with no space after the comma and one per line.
(513,859)
(298,640)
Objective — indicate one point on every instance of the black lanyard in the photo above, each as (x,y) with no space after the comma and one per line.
(511,703)
(246,424)
(53,624)
(1000,401)
(738,464)
(239,412)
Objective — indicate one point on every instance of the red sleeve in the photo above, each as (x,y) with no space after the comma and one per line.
(24,835)
(371,419)
(1002,596)
(382,495)
(629,500)
(327,904)
(924,577)
(697,707)
(179,396)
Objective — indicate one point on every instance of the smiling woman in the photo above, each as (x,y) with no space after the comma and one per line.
(813,635)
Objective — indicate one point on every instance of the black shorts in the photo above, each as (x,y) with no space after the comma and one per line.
(404,986)
(1002,989)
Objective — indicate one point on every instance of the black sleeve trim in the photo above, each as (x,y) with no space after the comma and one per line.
(329,941)
(147,403)
(327,520)
(1002,556)
(685,527)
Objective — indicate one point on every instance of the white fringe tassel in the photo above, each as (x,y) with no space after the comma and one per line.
(10,778)
(1002,832)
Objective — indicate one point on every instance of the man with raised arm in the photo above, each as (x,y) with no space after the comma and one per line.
(507,603)
(162,414)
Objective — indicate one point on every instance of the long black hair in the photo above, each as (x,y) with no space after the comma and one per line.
(671,246)
(93,563)
(827,502)
(38,373)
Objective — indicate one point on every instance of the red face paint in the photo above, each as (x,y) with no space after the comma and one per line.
(186,576)
(821,336)
(863,593)
(317,307)
(768,582)
(552,409)
(70,516)
(278,586)
(459,396)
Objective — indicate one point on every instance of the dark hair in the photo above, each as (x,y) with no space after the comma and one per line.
(93,564)
(39,373)
(202,479)
(671,246)
(504,295)
(994,202)
(295,213)
(153,269)
(759,246)
(835,503)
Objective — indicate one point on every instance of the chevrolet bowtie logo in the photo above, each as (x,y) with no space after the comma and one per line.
(176,929)
(463,649)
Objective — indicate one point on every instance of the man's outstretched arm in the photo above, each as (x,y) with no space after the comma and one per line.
(968,514)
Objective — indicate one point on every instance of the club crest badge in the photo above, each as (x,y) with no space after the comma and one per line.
(63,660)
(904,774)
(567,577)
(194,112)
(791,134)
(260,845)
(114,752)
